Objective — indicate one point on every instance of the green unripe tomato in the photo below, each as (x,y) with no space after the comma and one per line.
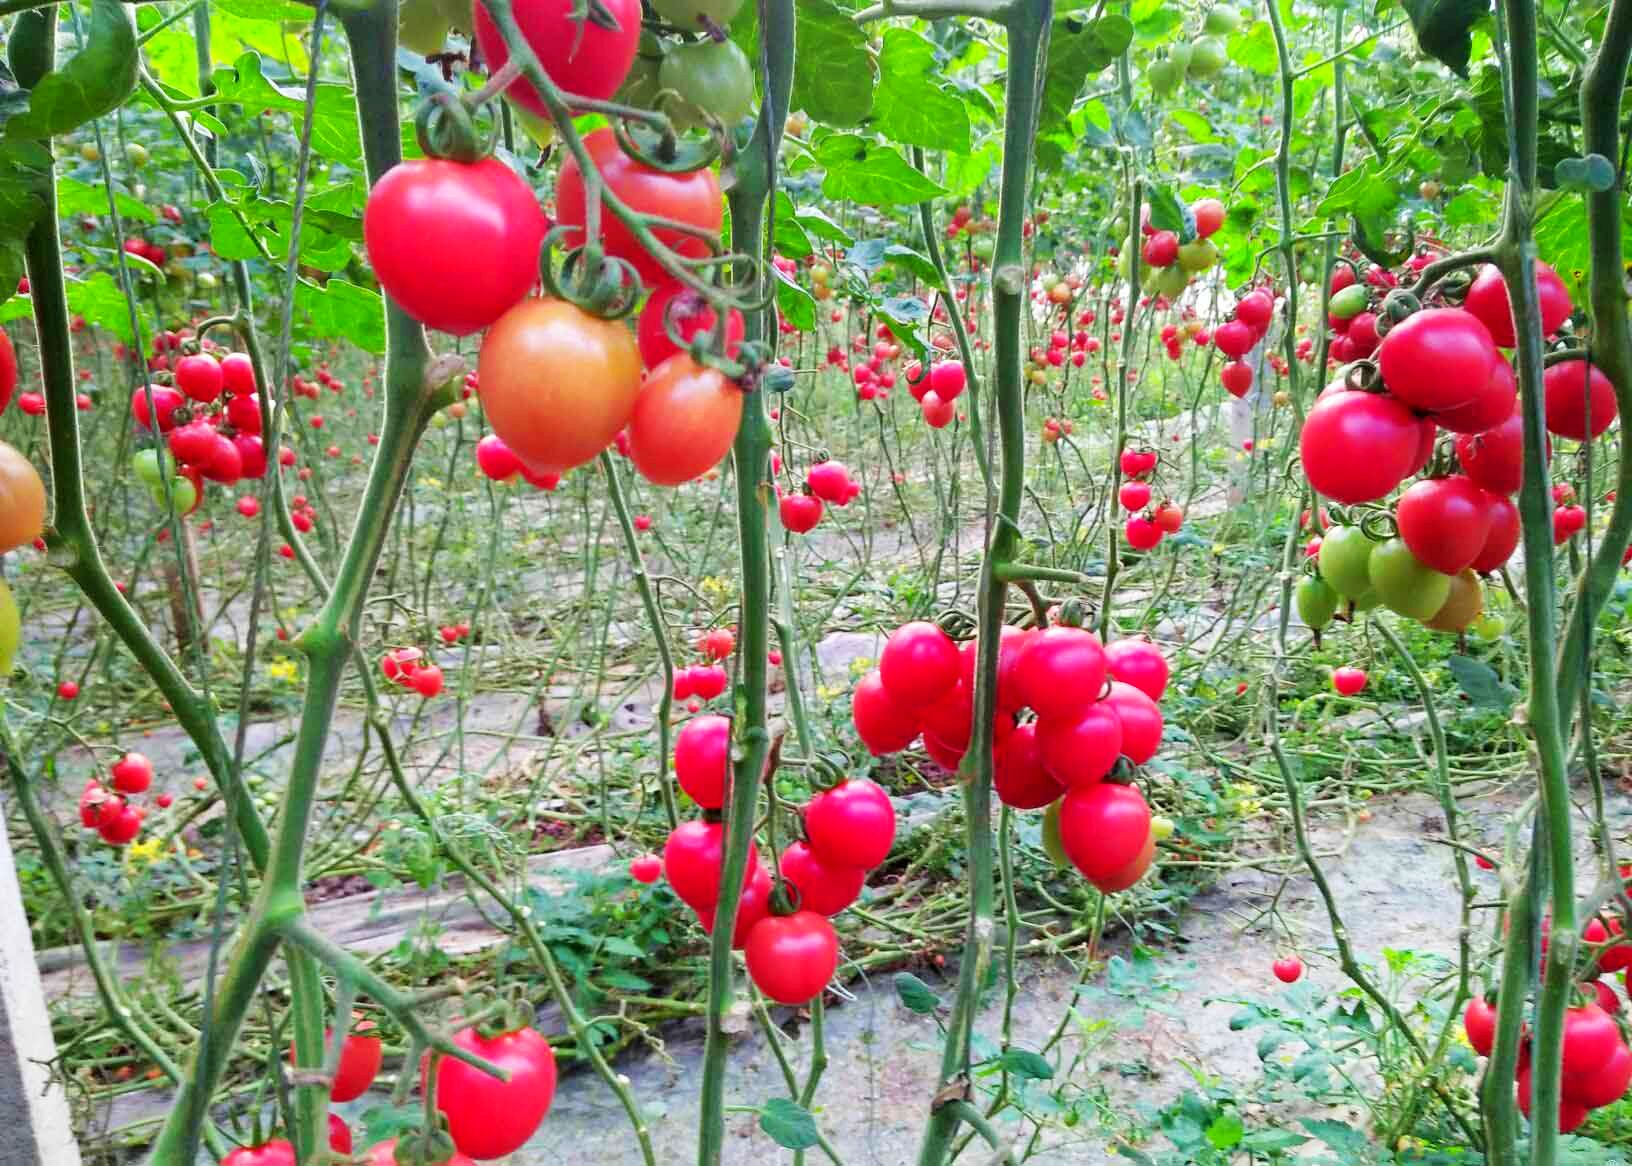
(1180,52)
(1164,77)
(422,26)
(206,280)
(708,77)
(1316,601)
(182,492)
(1053,846)
(640,87)
(136,154)
(1489,627)
(690,14)
(11,631)
(1404,584)
(1161,828)
(1349,302)
(1221,21)
(983,249)
(1172,280)
(1345,561)
(150,465)
(1198,255)
(1207,58)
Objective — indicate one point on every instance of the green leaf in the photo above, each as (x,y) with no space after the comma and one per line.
(1027,1064)
(81,198)
(915,994)
(1272,1141)
(871,174)
(1077,50)
(816,222)
(334,111)
(794,303)
(1225,1131)
(1483,687)
(1349,1142)
(99,298)
(911,104)
(1197,127)
(912,261)
(343,311)
(1594,172)
(1167,213)
(1444,29)
(788,1124)
(94,81)
(964,173)
(1253,49)
(833,71)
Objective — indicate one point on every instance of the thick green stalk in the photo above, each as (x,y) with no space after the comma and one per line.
(1028,26)
(755,180)
(1283,188)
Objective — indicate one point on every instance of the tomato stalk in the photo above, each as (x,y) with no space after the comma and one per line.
(750,194)
(1119,439)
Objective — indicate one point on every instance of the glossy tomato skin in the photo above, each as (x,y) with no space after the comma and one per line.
(1104,828)
(557,384)
(1020,779)
(1060,673)
(1438,358)
(339,1134)
(1139,663)
(690,314)
(791,958)
(883,726)
(1490,408)
(684,421)
(455,244)
(1445,522)
(693,858)
(1404,584)
(1465,604)
(1495,458)
(22,500)
(582,58)
(489,1118)
(360,1058)
(1479,1022)
(1604,1085)
(1356,446)
(1141,721)
(1580,400)
(1487,299)
(1503,538)
(277,1152)
(8,370)
(823,888)
(702,758)
(852,824)
(919,664)
(692,198)
(1080,750)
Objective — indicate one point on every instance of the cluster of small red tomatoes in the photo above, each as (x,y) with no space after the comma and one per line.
(1145,528)
(1093,706)
(108,810)
(826,481)
(1239,335)
(849,829)
(1597,1065)
(487,1118)
(1170,262)
(1442,367)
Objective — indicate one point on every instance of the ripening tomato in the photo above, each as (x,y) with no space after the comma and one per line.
(1287,969)
(277,1152)
(1139,663)
(1438,358)
(823,887)
(1494,459)
(557,384)
(1019,778)
(1487,300)
(1169,519)
(1357,446)
(702,759)
(883,725)
(1464,605)
(1479,1022)
(22,500)
(1403,583)
(692,198)
(487,1117)
(1209,215)
(582,56)
(1103,828)
(677,306)
(1445,522)
(791,958)
(799,513)
(919,664)
(1580,400)
(454,244)
(683,422)
(1081,750)
(851,824)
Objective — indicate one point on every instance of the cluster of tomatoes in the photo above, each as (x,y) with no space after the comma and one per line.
(1174,335)
(1172,258)
(1239,335)
(209,417)
(408,668)
(937,389)
(1055,428)
(1147,526)
(700,682)
(1093,707)
(108,810)
(826,481)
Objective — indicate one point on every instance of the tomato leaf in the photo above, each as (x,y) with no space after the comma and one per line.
(1254,49)
(1349,1142)
(1483,687)
(788,1124)
(876,175)
(1168,213)
(343,311)
(794,303)
(912,261)
(1444,29)
(334,110)
(915,994)
(1225,1131)
(1027,1064)
(815,222)
(1077,50)
(833,71)
(94,81)
(911,105)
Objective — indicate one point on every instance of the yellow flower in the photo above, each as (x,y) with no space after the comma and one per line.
(146,851)
(283,670)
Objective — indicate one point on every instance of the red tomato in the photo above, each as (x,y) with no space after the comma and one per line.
(791,958)
(1438,358)
(823,888)
(684,421)
(938,414)
(852,824)
(489,1118)
(238,373)
(1234,339)
(1060,673)
(702,760)
(1255,310)
(692,198)
(244,412)
(1580,400)
(1209,213)
(495,459)
(882,725)
(1356,446)
(8,370)
(360,1058)
(1081,750)
(557,383)
(1141,721)
(830,481)
(692,860)
(132,774)
(1139,663)
(919,664)
(199,376)
(1020,778)
(1142,534)
(674,304)
(1590,1037)
(1236,376)
(120,826)
(1349,681)
(1103,828)
(1495,458)
(1604,1085)
(647,868)
(1445,522)
(339,1134)
(581,57)
(948,379)
(1124,878)
(1488,301)
(1479,1022)
(454,244)
(1168,518)
(277,1152)
(1133,495)
(427,681)
(165,403)
(1288,969)
(1570,1114)
(799,513)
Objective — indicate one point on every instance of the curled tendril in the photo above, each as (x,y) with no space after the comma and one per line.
(1378,524)
(1569,348)
(1363,376)
(445,128)
(1397,306)
(828,770)
(957,623)
(600,284)
(665,150)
